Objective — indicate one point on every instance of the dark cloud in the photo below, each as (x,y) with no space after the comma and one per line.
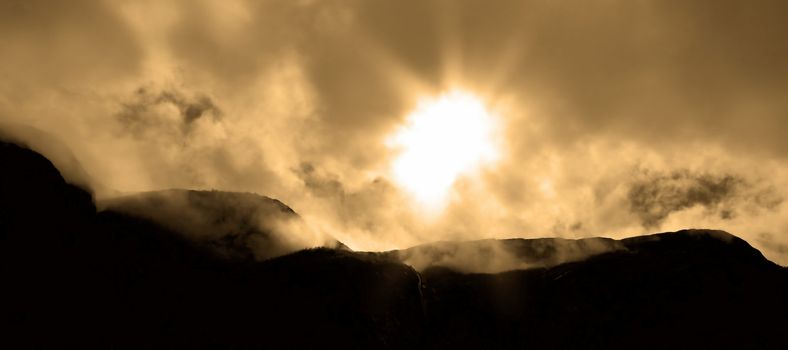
(367,207)
(140,114)
(656,196)
(321,185)
(184,140)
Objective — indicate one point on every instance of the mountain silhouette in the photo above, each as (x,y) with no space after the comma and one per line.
(127,276)
(235,225)
(692,288)
(494,255)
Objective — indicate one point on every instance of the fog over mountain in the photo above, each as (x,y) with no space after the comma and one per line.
(187,268)
(514,156)
(619,117)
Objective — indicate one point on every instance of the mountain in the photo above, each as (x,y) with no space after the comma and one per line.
(54,149)
(493,255)
(122,276)
(687,289)
(235,225)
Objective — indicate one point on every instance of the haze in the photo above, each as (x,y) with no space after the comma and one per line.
(613,118)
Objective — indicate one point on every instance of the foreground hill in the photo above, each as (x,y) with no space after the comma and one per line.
(494,255)
(693,288)
(75,276)
(235,225)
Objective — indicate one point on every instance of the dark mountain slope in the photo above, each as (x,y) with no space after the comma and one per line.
(234,225)
(694,288)
(74,276)
(492,255)
(54,149)
(42,220)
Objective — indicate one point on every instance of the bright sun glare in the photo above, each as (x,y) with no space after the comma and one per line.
(442,139)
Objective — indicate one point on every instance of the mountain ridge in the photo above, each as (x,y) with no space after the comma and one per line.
(78,276)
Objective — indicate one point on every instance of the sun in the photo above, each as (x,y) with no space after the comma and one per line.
(442,139)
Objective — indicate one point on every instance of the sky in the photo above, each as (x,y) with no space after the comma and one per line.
(613,118)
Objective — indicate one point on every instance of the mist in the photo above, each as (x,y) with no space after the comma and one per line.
(620,117)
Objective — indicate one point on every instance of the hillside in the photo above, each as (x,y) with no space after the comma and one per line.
(77,276)
(234,225)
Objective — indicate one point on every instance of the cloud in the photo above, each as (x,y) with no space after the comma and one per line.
(656,196)
(294,100)
(141,114)
(62,46)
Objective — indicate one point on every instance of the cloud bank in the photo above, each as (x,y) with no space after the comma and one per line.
(621,117)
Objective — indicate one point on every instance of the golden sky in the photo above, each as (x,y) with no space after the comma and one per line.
(613,118)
